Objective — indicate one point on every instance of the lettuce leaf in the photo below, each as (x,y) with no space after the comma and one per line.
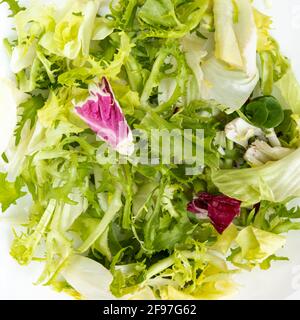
(113,208)
(231,88)
(73,31)
(227,47)
(274,181)
(277,218)
(236,40)
(22,57)
(256,244)
(29,113)
(103,28)
(31,24)
(172,20)
(226,70)
(10,192)
(178,276)
(85,275)
(287,91)
(13,6)
(24,246)
(111,69)
(159,13)
(10,98)
(263,25)
(273,65)
(255,248)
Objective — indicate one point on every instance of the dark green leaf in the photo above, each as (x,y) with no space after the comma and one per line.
(276,114)
(265,112)
(257,112)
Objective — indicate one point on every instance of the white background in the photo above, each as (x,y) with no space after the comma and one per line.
(282,281)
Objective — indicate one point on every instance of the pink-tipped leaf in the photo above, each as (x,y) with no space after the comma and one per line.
(103,114)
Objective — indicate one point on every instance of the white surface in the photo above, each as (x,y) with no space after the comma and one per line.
(282,281)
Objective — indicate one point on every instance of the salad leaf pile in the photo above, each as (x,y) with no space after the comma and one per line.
(89,73)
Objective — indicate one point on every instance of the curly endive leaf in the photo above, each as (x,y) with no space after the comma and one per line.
(13,6)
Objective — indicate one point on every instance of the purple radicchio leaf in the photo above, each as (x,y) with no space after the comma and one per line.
(220,209)
(103,114)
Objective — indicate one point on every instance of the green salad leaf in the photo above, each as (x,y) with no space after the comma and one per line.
(265,112)
(274,181)
(29,113)
(159,13)
(10,191)
(93,79)
(13,6)
(254,247)
(287,90)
